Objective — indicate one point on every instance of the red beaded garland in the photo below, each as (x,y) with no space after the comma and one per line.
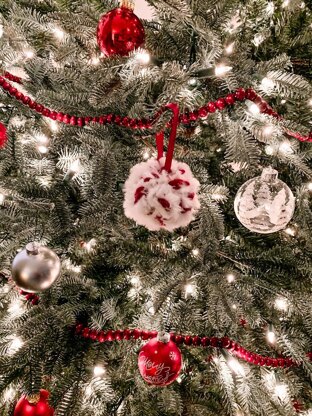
(3,135)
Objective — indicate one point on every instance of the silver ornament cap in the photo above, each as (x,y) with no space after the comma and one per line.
(35,268)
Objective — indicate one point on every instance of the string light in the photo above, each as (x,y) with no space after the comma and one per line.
(15,345)
(229,49)
(135,281)
(143,57)
(302,5)
(146,154)
(29,54)
(281,304)
(2,198)
(75,167)
(234,306)
(53,125)
(9,394)
(236,367)
(281,391)
(271,337)
(253,108)
(195,252)
(58,33)
(230,278)
(99,371)
(221,70)
(267,83)
(43,149)
(285,148)
(290,231)
(310,101)
(190,290)
(1,31)
(90,245)
(192,82)
(268,130)
(95,60)
(309,186)
(283,101)
(258,39)
(285,3)
(270,8)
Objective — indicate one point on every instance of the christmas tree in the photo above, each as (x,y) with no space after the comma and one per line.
(155,197)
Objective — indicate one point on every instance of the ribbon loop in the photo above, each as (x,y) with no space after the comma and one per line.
(172,138)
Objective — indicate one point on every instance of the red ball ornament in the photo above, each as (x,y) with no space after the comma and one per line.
(160,362)
(119,32)
(3,135)
(41,408)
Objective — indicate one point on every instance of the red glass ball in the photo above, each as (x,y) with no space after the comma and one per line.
(3,135)
(119,32)
(160,363)
(42,408)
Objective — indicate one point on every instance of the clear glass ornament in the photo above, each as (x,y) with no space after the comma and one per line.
(265,204)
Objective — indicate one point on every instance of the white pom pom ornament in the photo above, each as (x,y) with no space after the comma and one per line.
(159,199)
(162,193)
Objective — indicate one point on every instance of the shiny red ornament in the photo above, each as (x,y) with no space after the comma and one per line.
(3,135)
(160,363)
(119,32)
(42,408)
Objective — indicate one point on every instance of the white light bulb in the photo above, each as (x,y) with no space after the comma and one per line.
(179,380)
(53,125)
(135,281)
(151,310)
(190,290)
(221,70)
(281,391)
(95,60)
(219,150)
(281,304)
(267,83)
(285,147)
(258,39)
(309,186)
(58,33)
(2,198)
(254,109)
(15,345)
(290,231)
(268,130)
(269,150)
(29,54)
(230,278)
(42,138)
(99,371)
(271,337)
(285,3)
(9,394)
(90,245)
(195,252)
(310,101)
(75,167)
(270,8)
(146,154)
(283,101)
(1,30)
(303,5)
(236,367)
(143,57)
(234,306)
(192,82)
(229,48)
(43,149)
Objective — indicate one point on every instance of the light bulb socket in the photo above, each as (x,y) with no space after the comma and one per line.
(32,249)
(128,4)
(163,337)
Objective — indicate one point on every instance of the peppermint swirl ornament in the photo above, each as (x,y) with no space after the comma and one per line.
(265,204)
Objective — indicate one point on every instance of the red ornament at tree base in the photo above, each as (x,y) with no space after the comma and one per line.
(160,362)
(3,135)
(41,408)
(119,32)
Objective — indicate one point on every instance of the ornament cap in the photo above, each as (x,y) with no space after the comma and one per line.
(269,174)
(32,248)
(33,398)
(128,4)
(163,337)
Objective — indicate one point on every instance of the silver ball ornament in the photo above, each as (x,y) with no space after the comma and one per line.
(265,204)
(35,268)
